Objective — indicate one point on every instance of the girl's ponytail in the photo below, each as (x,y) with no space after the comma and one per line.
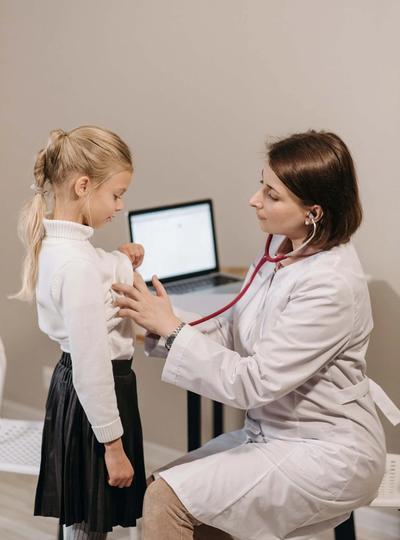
(31,230)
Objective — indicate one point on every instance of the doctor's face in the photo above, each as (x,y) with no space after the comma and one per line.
(278,210)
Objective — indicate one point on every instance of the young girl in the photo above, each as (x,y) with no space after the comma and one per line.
(92,473)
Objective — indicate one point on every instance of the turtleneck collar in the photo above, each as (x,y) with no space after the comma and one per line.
(71,230)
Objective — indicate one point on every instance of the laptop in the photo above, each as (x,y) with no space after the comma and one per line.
(181,249)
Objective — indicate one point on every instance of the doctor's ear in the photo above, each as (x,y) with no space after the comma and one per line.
(314,215)
(81,186)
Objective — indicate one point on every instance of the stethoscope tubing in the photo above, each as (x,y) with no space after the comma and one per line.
(261,263)
(264,259)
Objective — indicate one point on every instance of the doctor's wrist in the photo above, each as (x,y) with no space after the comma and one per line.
(171,338)
(170,327)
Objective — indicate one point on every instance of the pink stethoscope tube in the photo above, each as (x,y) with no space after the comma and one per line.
(264,259)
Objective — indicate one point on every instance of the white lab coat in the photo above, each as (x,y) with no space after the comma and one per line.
(292,355)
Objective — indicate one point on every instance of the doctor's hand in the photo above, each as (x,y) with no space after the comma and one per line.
(152,311)
(135,252)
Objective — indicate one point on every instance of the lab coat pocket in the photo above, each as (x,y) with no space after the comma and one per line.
(210,485)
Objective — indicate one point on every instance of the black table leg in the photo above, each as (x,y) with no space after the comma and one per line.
(218,418)
(193,421)
(346,530)
(60,532)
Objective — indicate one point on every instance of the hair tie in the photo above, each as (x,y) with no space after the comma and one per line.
(38,190)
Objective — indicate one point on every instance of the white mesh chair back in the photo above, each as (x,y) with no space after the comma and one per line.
(20,446)
(389,490)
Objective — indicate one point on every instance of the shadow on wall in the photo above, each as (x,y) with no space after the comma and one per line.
(384,351)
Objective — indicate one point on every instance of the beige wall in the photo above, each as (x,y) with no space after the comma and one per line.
(194,87)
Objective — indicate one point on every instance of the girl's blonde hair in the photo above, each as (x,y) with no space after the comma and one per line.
(86,150)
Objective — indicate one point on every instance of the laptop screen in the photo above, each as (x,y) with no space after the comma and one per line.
(179,240)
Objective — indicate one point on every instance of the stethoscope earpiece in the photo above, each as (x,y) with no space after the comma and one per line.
(310,219)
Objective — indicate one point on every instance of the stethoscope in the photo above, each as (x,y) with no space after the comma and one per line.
(264,259)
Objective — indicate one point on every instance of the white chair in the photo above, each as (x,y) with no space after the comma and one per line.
(20,440)
(388,496)
(389,490)
(20,444)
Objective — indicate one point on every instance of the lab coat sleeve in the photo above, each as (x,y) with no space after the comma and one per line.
(219,330)
(309,333)
(79,290)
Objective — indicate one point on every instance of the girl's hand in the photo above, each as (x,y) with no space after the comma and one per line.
(153,312)
(135,252)
(119,468)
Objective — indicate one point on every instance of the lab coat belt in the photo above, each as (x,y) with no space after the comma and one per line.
(381,399)
(353,392)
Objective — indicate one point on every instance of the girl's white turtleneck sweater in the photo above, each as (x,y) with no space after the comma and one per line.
(74,304)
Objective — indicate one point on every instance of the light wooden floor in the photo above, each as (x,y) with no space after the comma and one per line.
(16,506)
(17,522)
(16,519)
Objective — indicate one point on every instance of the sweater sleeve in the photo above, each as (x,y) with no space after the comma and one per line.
(313,329)
(80,295)
(123,269)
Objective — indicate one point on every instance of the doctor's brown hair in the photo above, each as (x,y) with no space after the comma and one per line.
(317,167)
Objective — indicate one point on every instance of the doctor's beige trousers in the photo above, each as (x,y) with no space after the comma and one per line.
(164,516)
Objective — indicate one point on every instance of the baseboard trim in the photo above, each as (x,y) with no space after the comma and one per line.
(156,455)
(13,409)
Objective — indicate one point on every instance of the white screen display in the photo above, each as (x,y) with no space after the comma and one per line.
(176,241)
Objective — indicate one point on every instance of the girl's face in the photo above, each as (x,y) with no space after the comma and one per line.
(278,210)
(105,201)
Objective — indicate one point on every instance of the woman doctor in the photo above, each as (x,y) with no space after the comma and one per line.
(292,355)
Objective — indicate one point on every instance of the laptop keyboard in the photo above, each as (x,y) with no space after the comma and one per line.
(195,285)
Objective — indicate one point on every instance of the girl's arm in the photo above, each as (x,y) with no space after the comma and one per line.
(77,288)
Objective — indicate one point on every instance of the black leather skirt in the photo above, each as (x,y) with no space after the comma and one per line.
(72,483)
